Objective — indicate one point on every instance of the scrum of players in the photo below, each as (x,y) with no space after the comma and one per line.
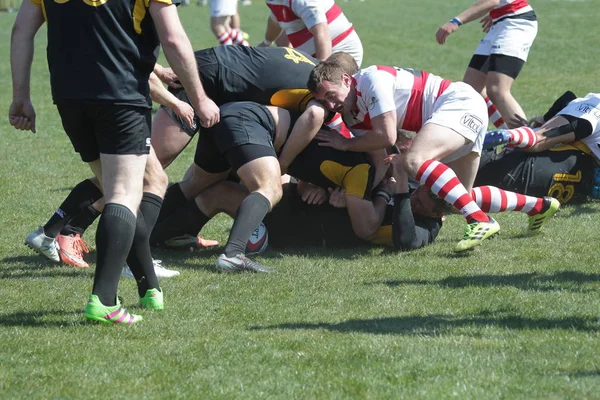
(347,156)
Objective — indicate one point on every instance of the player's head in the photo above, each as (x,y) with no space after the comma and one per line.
(331,85)
(345,61)
(426,204)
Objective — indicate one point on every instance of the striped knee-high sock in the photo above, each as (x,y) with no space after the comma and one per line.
(445,184)
(522,138)
(237,37)
(494,114)
(493,199)
(225,38)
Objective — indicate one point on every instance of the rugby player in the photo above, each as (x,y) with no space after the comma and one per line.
(450,119)
(510,28)
(107,119)
(316,27)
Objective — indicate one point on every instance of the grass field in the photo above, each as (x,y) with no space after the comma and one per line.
(517,318)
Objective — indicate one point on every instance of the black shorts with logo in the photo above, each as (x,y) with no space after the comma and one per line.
(106,129)
(245,133)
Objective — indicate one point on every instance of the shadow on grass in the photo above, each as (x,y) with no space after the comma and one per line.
(49,318)
(36,266)
(560,280)
(433,325)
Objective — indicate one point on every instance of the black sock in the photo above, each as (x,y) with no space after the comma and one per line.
(114,237)
(174,199)
(252,210)
(81,196)
(139,259)
(187,219)
(80,222)
(150,208)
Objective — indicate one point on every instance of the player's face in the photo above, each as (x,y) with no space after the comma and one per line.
(336,96)
(422,204)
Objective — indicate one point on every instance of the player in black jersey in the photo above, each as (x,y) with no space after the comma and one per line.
(562,155)
(247,141)
(266,75)
(99,71)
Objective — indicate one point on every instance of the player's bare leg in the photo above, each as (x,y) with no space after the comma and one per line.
(498,88)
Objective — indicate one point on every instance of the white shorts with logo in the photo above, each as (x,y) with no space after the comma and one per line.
(510,37)
(463,110)
(223,8)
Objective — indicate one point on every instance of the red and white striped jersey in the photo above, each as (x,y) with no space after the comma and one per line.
(380,89)
(296,17)
(510,8)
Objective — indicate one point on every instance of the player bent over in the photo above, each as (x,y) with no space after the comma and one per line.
(450,120)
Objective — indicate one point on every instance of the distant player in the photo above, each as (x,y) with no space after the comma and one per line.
(224,22)
(317,27)
(511,27)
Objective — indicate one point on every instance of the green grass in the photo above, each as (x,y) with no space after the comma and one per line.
(518,318)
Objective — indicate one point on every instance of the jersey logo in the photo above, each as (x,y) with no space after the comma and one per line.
(296,57)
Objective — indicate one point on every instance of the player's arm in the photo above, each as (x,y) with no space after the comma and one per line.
(477,10)
(30,18)
(365,216)
(313,15)
(382,135)
(179,53)
(166,76)
(406,233)
(162,96)
(322,38)
(272,32)
(304,130)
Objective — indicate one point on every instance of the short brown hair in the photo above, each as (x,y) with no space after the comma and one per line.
(344,60)
(324,71)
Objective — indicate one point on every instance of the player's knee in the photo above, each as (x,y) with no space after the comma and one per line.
(273,193)
(411,162)
(495,92)
(364,231)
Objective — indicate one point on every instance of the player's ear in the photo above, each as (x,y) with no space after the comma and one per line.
(346,79)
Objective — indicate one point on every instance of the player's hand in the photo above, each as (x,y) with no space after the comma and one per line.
(168,77)
(486,23)
(208,112)
(186,112)
(21,115)
(445,31)
(331,138)
(536,122)
(337,197)
(312,194)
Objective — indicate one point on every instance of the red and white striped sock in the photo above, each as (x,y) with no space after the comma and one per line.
(338,124)
(522,138)
(237,37)
(494,114)
(224,39)
(445,184)
(492,199)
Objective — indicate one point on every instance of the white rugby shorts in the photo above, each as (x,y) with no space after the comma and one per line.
(463,110)
(510,37)
(223,8)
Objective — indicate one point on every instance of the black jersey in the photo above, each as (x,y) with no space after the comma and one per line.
(266,75)
(564,172)
(100,51)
